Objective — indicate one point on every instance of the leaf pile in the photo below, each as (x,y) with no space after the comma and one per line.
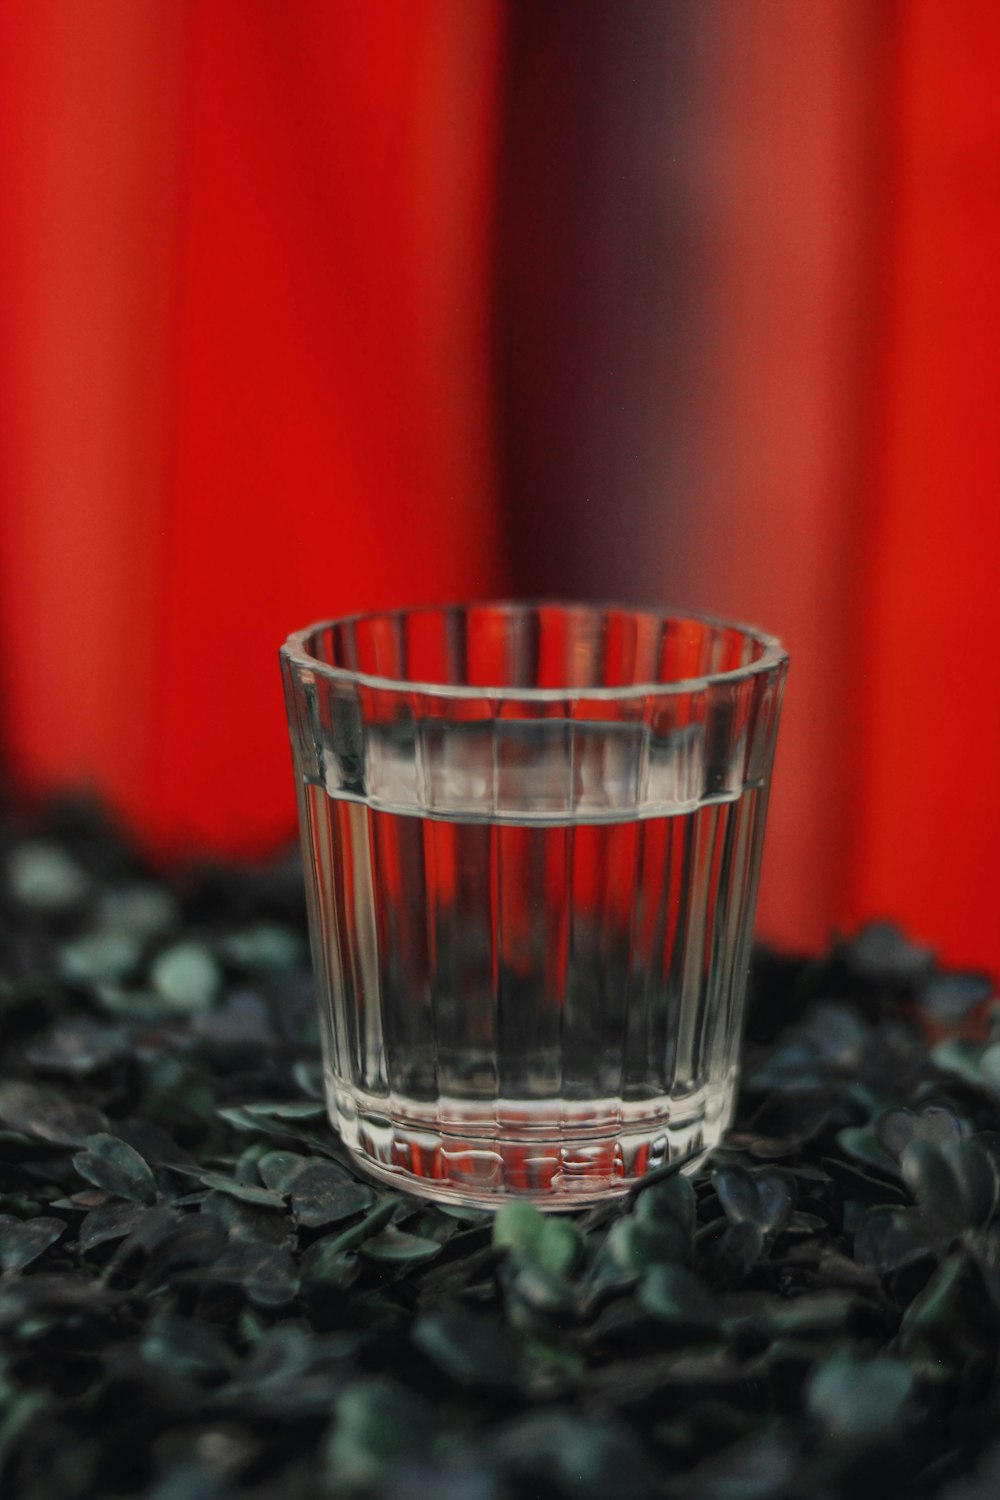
(201,1299)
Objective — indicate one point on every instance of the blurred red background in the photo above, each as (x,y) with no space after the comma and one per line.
(325,306)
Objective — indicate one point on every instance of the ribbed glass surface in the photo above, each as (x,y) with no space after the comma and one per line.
(532,839)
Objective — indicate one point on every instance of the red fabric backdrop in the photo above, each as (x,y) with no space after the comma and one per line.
(244,378)
(247,268)
(928,793)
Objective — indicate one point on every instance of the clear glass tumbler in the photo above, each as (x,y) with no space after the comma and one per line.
(532,837)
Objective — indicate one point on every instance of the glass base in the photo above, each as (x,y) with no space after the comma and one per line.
(557,1154)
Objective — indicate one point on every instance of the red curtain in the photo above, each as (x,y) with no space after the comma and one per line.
(249,271)
(928,809)
(244,283)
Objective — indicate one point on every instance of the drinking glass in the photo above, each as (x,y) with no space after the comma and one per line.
(532,837)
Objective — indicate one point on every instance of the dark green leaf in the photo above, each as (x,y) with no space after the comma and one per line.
(895,1129)
(78,1047)
(321,1192)
(552,1243)
(672,1198)
(257,1124)
(247,1192)
(889,1238)
(989,1070)
(882,954)
(379,1424)
(184,1349)
(764,1198)
(263,947)
(291,1373)
(762,1468)
(185,977)
(288,1109)
(859,1402)
(396,1245)
(357,1234)
(141,909)
(950,997)
(679,1298)
(24,1240)
(861,1142)
(45,1115)
(108,1222)
(471,1348)
(635,1244)
(44,877)
(584,1458)
(812,1313)
(112,1165)
(962,1059)
(323,1267)
(101,956)
(539,1291)
(950,1329)
(266,1272)
(956,1181)
(727,1253)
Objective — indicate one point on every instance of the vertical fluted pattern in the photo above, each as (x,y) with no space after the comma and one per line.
(534,962)
(531,917)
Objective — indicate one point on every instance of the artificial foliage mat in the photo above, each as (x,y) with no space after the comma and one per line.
(202,1299)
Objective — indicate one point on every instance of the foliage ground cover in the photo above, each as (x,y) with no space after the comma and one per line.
(201,1298)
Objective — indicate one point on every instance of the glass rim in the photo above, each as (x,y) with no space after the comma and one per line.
(772,658)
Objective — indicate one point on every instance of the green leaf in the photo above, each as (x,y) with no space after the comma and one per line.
(950,1328)
(288,1109)
(882,954)
(262,948)
(861,1143)
(635,1244)
(956,1181)
(247,1192)
(727,1253)
(760,1468)
(812,1313)
(321,1192)
(110,1164)
(184,1349)
(961,1058)
(535,1290)
(44,877)
(108,1222)
(24,1240)
(371,1224)
(895,1129)
(257,1124)
(47,1116)
(141,909)
(101,956)
(672,1198)
(378,1425)
(890,1238)
(857,1402)
(471,1348)
(989,1070)
(518,1227)
(267,1272)
(764,1198)
(185,976)
(396,1245)
(325,1267)
(554,1244)
(575,1455)
(677,1297)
